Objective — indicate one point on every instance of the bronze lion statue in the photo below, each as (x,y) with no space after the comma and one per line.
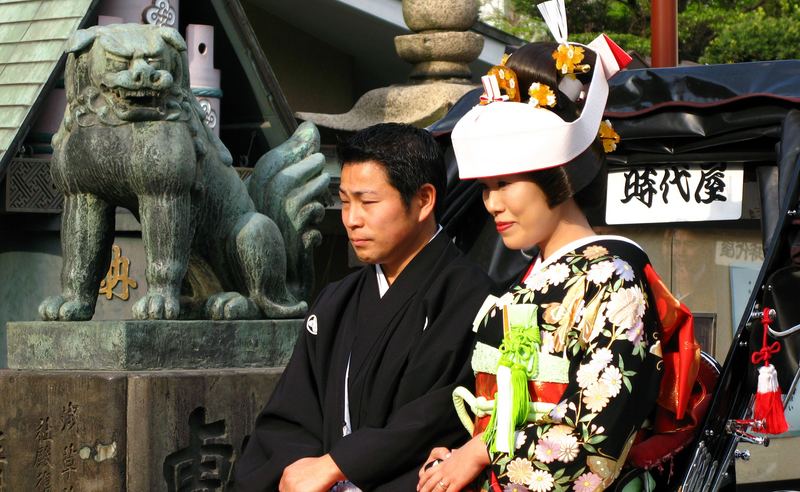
(133,136)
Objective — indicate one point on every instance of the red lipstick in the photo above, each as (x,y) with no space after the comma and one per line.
(502,226)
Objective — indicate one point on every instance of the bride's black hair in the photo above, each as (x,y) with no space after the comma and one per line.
(583,178)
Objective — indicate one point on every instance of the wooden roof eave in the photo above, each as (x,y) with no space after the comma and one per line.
(269,95)
(33,112)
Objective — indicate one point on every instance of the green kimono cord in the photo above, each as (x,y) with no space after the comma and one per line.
(520,353)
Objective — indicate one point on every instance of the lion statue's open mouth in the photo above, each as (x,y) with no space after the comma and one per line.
(142,98)
(140,104)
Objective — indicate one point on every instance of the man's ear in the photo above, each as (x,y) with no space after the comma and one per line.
(427,201)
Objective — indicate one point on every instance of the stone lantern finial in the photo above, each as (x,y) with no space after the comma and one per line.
(442,46)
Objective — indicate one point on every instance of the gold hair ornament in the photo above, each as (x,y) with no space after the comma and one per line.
(608,136)
(500,84)
(541,95)
(568,59)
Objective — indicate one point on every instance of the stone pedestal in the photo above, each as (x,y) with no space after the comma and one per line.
(143,345)
(114,423)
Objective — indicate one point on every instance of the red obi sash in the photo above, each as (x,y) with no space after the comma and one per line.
(681,354)
(683,398)
(486,386)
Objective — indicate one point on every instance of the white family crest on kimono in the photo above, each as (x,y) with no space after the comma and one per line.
(311,324)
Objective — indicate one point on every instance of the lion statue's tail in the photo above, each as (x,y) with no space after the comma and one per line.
(290,186)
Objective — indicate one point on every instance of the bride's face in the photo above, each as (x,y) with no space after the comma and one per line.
(520,210)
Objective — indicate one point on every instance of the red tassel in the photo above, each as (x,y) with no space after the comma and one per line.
(769,404)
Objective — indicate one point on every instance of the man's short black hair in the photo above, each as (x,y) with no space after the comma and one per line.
(410,156)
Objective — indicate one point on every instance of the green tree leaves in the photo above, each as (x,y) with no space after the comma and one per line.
(754,36)
(709,31)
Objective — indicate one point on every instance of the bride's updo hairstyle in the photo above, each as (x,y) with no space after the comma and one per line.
(532,63)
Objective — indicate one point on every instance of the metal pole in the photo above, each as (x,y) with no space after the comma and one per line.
(664,26)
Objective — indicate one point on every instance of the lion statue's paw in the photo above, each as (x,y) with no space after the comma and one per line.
(155,305)
(231,305)
(57,308)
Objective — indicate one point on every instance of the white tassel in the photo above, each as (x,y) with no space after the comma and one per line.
(769,405)
(767,379)
(504,418)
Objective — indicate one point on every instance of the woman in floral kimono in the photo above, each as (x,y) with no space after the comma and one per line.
(568,360)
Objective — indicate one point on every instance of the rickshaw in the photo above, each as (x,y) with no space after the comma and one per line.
(746,113)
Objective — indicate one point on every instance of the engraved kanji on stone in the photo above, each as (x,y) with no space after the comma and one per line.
(43,431)
(43,483)
(69,461)
(41,461)
(69,416)
(42,458)
(206,463)
(44,442)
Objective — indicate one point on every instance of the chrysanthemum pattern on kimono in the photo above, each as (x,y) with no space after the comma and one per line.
(594,312)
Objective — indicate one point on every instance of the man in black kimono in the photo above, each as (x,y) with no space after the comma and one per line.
(368,390)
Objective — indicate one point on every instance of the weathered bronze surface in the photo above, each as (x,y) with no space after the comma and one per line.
(136,431)
(142,345)
(133,136)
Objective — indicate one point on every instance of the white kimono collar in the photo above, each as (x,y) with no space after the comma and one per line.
(383,284)
(539,264)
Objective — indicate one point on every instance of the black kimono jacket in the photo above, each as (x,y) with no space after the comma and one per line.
(408,350)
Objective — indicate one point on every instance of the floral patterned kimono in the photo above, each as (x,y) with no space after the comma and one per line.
(580,329)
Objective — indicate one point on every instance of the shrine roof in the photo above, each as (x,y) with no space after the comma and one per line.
(32,37)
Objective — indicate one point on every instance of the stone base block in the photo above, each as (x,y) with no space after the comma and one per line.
(440,70)
(137,431)
(462,47)
(146,345)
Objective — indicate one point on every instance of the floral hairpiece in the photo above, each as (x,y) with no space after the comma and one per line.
(568,59)
(608,136)
(498,80)
(541,95)
(501,84)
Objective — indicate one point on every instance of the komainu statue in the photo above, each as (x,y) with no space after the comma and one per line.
(133,136)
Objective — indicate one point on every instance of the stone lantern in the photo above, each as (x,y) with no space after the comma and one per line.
(440,49)
(442,45)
